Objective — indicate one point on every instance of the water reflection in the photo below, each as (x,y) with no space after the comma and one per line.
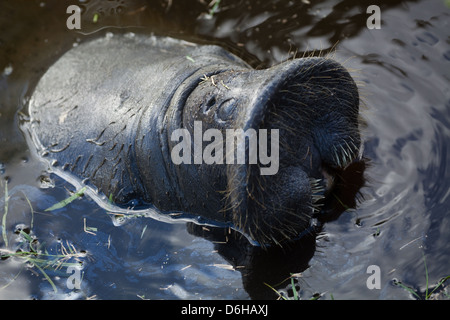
(266,270)
(404,215)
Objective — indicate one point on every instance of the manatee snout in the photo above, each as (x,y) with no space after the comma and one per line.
(193,128)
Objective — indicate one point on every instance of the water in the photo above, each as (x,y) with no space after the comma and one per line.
(401,217)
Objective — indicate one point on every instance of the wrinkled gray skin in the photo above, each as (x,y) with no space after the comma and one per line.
(106,110)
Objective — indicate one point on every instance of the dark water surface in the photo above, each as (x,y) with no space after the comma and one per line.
(402,212)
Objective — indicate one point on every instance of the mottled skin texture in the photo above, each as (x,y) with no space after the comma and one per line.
(106,110)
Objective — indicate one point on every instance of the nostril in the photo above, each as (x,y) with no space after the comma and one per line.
(209,104)
(227,109)
(224,110)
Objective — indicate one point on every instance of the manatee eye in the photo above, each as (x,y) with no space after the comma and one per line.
(227,109)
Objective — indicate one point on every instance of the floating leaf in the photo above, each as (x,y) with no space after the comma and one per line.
(145,228)
(65,202)
(5,238)
(215,7)
(87,229)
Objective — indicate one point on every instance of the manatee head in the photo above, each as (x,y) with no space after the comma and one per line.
(305,114)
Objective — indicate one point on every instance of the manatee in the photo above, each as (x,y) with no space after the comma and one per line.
(145,120)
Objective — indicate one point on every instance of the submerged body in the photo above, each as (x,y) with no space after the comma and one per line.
(109,112)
